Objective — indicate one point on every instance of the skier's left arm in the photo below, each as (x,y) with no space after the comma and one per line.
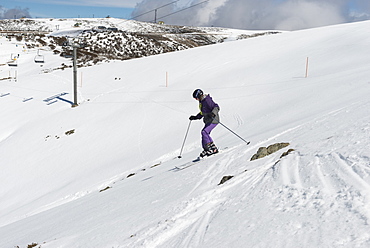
(214,106)
(215,110)
(213,115)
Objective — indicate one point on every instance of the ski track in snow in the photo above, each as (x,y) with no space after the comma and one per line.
(338,181)
(239,120)
(188,226)
(298,185)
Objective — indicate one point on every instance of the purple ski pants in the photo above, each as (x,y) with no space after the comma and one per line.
(206,138)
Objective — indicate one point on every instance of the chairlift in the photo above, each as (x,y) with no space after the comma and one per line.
(13,63)
(39,58)
(13,60)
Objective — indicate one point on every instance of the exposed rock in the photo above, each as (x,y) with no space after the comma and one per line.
(275,147)
(263,151)
(106,188)
(72,131)
(224,179)
(130,175)
(287,152)
(155,165)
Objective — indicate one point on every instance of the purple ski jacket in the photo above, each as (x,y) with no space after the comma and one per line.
(208,110)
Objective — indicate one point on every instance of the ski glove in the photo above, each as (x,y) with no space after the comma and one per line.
(193,117)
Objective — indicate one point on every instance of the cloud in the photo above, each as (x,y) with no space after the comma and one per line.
(295,15)
(148,10)
(252,14)
(362,10)
(15,13)
(177,12)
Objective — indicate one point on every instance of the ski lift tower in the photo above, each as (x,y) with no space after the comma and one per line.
(75,44)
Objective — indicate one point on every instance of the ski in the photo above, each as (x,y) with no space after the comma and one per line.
(188,164)
(197,160)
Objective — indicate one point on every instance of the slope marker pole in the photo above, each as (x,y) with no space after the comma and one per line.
(166,78)
(306,67)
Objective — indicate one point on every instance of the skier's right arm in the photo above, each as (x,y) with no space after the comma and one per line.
(196,117)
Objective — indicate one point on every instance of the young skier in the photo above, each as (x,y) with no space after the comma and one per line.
(209,112)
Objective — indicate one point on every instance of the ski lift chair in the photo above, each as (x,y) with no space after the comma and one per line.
(39,58)
(13,60)
(13,63)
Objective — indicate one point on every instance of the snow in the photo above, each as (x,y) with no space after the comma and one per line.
(73,26)
(56,160)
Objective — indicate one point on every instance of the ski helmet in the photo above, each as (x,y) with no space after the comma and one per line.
(197,93)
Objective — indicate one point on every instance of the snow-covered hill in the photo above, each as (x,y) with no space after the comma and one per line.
(106,39)
(103,174)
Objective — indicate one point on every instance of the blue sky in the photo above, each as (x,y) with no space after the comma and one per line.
(73,9)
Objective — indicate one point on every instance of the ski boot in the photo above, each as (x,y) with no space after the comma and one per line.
(209,150)
(212,148)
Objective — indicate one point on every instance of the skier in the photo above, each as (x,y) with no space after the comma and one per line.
(209,112)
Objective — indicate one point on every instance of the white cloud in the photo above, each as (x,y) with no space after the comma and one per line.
(361,10)
(253,14)
(295,15)
(13,13)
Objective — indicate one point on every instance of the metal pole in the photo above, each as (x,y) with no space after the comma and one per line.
(234,133)
(75,76)
(183,143)
(248,142)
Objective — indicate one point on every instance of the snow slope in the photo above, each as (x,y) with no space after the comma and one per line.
(103,174)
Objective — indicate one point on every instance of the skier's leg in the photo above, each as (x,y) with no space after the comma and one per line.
(206,138)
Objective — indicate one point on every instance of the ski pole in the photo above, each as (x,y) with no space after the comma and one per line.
(233,132)
(183,143)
